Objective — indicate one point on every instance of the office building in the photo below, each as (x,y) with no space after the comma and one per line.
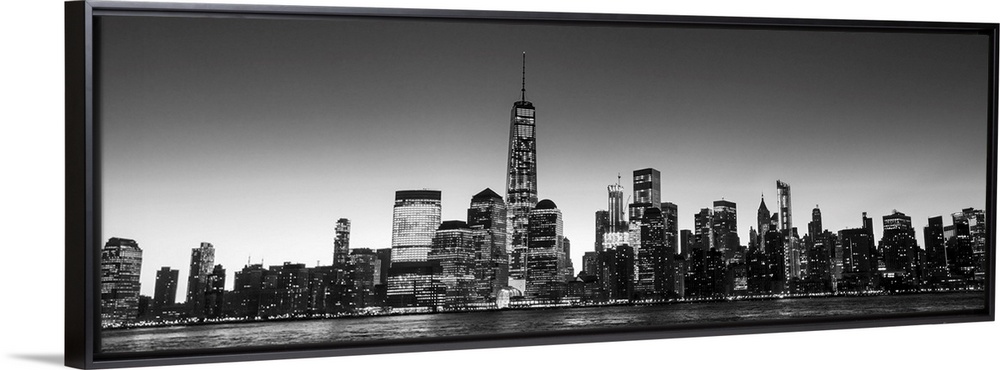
(547,259)
(724,231)
(202,264)
(669,212)
(165,292)
(487,217)
(454,251)
(601,222)
(416,215)
(645,193)
(121,264)
(342,243)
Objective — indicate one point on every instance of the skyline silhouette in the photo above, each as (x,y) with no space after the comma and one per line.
(277,134)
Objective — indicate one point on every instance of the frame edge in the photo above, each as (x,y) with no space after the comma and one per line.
(77,315)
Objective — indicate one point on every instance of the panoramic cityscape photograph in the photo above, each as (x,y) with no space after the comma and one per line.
(266,181)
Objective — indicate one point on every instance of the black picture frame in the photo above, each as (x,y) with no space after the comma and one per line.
(83,178)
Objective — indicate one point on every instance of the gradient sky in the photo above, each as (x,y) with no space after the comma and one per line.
(258,134)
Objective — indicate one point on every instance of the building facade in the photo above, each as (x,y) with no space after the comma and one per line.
(121,264)
(342,242)
(645,192)
(416,215)
(487,217)
(547,259)
(202,264)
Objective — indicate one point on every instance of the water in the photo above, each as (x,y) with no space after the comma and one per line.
(519,321)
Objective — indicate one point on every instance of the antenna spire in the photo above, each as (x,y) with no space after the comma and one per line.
(522,75)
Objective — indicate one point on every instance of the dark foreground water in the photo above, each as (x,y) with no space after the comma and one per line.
(520,321)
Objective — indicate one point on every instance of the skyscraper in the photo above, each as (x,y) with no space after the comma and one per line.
(202,263)
(937,255)
(977,235)
(416,215)
(645,192)
(454,250)
(763,219)
(725,234)
(703,235)
(522,183)
(899,247)
(816,225)
(601,220)
(342,243)
(785,207)
(365,271)
(617,230)
(669,211)
(546,260)
(616,208)
(858,253)
(654,258)
(786,229)
(165,292)
(215,287)
(487,217)
(121,263)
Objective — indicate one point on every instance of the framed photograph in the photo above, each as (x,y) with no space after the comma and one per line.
(248,182)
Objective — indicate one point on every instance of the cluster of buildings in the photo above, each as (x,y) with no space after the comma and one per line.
(647,258)
(511,252)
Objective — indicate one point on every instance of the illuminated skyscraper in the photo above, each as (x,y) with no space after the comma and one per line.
(202,264)
(487,217)
(522,185)
(616,208)
(416,215)
(785,207)
(645,192)
(547,258)
(215,287)
(816,225)
(763,220)
(454,250)
(899,247)
(669,212)
(342,243)
(785,227)
(654,258)
(977,235)
(859,258)
(703,235)
(600,228)
(617,229)
(727,240)
(121,263)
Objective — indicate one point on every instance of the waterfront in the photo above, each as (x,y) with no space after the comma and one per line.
(352,329)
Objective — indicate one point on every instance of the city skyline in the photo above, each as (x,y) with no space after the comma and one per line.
(210,167)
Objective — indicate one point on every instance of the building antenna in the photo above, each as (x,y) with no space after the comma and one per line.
(522,75)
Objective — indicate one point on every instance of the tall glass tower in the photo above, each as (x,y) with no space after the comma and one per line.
(546,258)
(341,245)
(785,227)
(202,262)
(121,264)
(522,185)
(416,216)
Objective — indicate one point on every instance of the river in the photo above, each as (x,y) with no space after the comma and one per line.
(352,329)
